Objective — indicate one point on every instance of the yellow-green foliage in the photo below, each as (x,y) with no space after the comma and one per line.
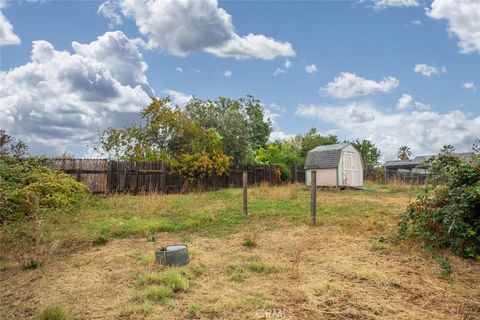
(29,187)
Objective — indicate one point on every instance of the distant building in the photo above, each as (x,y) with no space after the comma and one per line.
(417,164)
(336,165)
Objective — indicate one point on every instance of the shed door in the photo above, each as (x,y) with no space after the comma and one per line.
(351,169)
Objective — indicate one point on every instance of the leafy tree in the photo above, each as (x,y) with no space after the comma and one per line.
(447,148)
(241,124)
(314,139)
(404,153)
(168,134)
(370,153)
(9,146)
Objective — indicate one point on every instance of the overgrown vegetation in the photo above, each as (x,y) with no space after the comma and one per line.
(30,188)
(52,312)
(447,213)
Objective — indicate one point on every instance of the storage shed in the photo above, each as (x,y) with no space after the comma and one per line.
(337,165)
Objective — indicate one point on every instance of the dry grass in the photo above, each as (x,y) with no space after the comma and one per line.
(337,270)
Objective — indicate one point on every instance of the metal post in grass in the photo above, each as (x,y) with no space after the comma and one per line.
(313,198)
(245,186)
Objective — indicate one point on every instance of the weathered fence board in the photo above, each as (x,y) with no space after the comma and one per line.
(107,176)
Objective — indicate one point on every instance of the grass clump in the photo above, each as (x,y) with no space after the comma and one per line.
(249,242)
(172,279)
(53,312)
(32,264)
(132,310)
(142,257)
(198,270)
(259,266)
(155,293)
(236,272)
(445,267)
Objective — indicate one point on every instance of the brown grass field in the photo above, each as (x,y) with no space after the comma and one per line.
(340,269)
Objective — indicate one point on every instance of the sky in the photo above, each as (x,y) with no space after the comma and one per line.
(397,72)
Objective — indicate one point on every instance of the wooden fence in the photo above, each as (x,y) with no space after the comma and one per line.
(106,176)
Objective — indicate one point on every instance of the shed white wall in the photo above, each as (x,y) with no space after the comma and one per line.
(325,177)
(356,164)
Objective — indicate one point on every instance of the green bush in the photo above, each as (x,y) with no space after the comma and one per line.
(29,188)
(448,214)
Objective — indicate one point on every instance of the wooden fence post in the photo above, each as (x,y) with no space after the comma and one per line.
(136,177)
(296,174)
(125,182)
(245,188)
(313,198)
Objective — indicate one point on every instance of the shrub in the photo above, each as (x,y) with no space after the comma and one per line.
(29,187)
(448,215)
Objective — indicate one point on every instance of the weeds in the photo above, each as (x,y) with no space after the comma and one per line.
(236,272)
(32,264)
(156,293)
(259,266)
(198,270)
(53,312)
(445,267)
(133,310)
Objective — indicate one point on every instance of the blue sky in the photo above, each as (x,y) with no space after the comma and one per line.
(394,71)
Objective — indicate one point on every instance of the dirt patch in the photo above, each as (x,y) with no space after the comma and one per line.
(326,272)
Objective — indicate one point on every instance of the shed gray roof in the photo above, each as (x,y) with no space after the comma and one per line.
(324,157)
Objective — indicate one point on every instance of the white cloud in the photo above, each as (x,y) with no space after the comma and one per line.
(275,107)
(424,131)
(276,134)
(406,102)
(417,23)
(382,4)
(469,85)
(228,73)
(287,65)
(463,21)
(61,98)
(180,27)
(179,69)
(110,10)
(346,114)
(178,98)
(311,68)
(252,46)
(427,70)
(7,36)
(349,85)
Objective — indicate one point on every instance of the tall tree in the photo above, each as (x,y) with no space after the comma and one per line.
(404,153)
(168,134)
(314,139)
(241,124)
(370,153)
(11,146)
(447,148)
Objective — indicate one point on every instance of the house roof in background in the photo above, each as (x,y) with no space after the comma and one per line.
(418,161)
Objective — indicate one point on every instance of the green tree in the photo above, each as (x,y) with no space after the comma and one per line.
(10,146)
(404,153)
(168,134)
(314,139)
(241,124)
(447,148)
(370,153)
